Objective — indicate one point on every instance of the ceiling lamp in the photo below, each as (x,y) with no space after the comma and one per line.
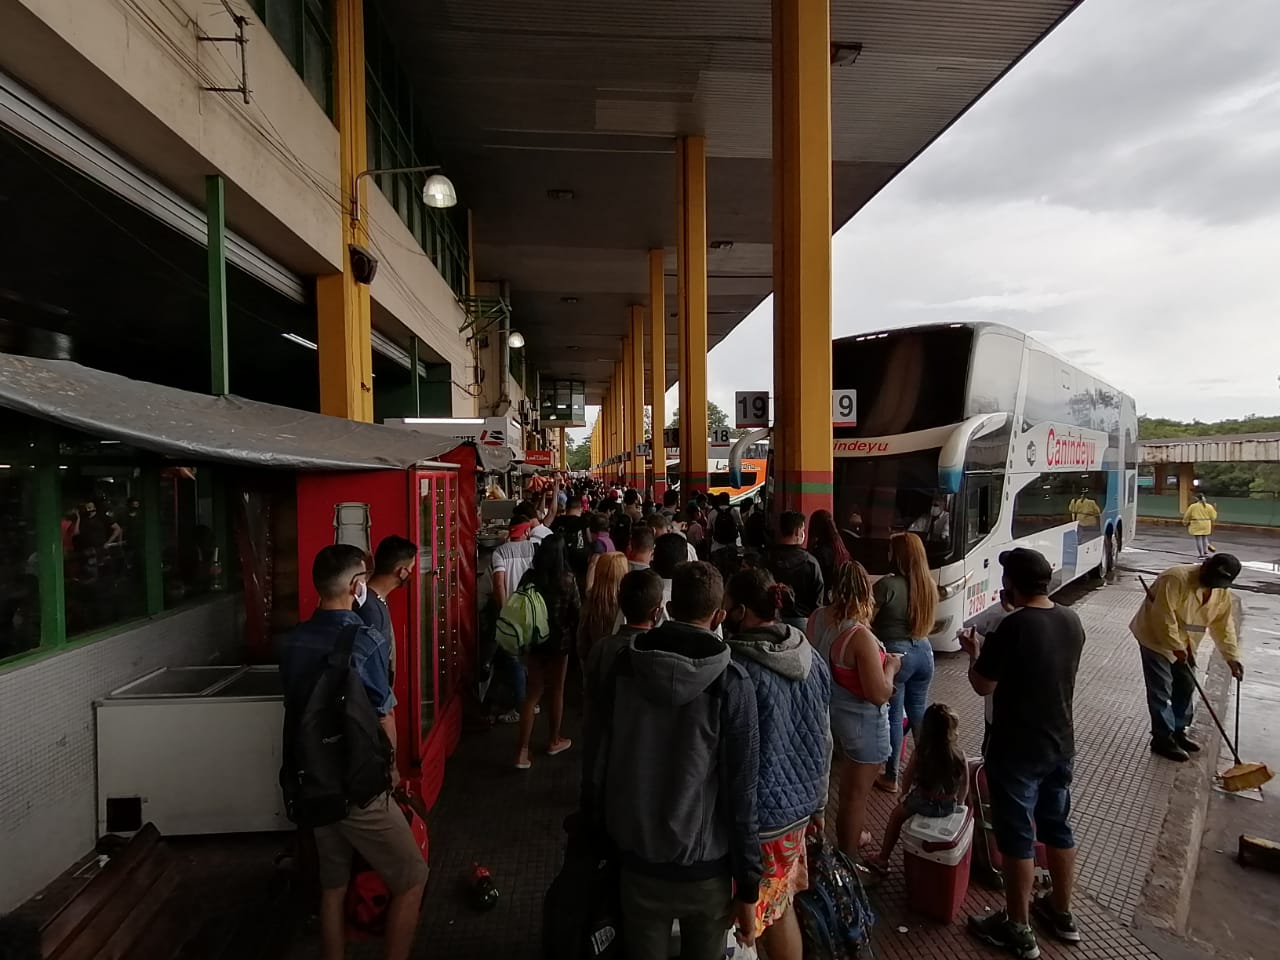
(438,192)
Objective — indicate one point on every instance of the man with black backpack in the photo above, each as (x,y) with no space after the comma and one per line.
(339,754)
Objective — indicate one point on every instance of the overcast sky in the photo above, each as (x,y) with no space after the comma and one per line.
(1117,196)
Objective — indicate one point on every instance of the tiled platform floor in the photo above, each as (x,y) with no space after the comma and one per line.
(511,821)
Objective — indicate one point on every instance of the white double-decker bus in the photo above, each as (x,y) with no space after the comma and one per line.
(979,439)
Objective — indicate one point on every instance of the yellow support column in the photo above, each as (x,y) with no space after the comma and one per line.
(658,370)
(802,254)
(691,293)
(564,448)
(605,452)
(635,398)
(619,418)
(1186,484)
(628,436)
(342,305)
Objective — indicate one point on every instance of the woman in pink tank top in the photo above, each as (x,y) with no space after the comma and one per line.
(862,682)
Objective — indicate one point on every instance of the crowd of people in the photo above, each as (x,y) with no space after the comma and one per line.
(731,665)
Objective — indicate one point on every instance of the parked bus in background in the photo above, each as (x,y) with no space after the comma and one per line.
(748,481)
(979,438)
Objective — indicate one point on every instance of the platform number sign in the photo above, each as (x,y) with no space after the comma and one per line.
(720,437)
(752,407)
(844,408)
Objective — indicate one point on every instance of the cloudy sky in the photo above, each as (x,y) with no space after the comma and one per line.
(1117,196)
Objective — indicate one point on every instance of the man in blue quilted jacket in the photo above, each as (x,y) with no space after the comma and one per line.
(670,771)
(793,693)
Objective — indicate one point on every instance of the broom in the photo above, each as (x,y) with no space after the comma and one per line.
(1242,776)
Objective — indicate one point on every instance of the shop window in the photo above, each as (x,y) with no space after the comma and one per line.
(190,556)
(19,583)
(103,547)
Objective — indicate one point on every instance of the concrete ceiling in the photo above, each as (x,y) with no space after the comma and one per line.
(529,96)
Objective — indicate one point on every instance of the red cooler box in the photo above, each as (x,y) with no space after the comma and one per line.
(937,853)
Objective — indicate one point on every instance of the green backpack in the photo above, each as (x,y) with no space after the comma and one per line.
(523,621)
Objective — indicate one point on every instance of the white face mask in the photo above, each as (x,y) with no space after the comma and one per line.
(362,592)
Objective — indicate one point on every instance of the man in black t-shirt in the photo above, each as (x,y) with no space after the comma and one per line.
(1028,666)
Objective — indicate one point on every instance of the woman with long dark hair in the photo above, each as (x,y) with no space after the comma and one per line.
(862,673)
(792,688)
(548,662)
(827,547)
(906,603)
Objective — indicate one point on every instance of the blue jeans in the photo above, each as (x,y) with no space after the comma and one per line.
(519,676)
(1029,802)
(1170,688)
(910,694)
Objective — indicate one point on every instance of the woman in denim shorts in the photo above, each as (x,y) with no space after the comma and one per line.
(862,675)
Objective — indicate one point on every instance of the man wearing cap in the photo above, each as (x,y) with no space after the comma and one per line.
(1185,601)
(1028,665)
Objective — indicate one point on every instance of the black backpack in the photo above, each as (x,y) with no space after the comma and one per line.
(335,751)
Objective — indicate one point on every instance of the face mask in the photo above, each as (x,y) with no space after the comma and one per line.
(362,592)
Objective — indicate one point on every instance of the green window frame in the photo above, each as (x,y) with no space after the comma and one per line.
(303,29)
(398,137)
(50,454)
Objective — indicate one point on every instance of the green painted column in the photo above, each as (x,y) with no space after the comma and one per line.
(49,561)
(152,542)
(215,213)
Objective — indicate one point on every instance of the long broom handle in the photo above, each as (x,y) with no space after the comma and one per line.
(1203,696)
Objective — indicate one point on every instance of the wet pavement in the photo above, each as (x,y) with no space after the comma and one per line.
(511,821)
(1235,910)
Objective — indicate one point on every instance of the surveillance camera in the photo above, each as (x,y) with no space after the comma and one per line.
(364,265)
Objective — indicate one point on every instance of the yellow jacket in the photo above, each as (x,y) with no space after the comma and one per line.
(1199,519)
(1086,512)
(1166,624)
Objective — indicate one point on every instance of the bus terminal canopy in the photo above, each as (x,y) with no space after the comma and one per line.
(185,425)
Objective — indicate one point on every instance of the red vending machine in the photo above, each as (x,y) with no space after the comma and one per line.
(433,615)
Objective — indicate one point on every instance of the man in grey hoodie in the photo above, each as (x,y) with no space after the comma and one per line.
(670,772)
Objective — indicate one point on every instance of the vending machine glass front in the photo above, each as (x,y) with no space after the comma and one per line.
(434,505)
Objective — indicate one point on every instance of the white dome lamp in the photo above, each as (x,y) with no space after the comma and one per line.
(515,339)
(438,192)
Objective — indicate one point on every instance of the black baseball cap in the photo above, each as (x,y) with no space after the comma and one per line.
(1028,570)
(1219,571)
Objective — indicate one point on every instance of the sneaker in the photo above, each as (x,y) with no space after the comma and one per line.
(1061,925)
(1170,750)
(1186,743)
(560,746)
(999,931)
(511,716)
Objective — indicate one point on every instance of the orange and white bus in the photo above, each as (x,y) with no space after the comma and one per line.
(748,483)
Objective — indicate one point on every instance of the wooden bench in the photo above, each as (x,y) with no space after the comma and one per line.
(119,914)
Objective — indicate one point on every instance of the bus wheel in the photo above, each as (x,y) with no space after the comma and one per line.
(1108,557)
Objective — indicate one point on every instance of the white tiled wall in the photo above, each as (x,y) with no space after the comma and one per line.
(48,807)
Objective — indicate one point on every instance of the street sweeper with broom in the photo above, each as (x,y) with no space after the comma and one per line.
(1184,602)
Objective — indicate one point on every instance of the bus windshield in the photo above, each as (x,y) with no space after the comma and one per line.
(878,496)
(906,380)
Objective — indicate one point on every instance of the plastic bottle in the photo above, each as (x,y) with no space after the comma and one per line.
(484,893)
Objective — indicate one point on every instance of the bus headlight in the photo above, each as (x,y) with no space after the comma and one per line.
(948,590)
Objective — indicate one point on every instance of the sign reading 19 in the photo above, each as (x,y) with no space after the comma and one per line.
(752,409)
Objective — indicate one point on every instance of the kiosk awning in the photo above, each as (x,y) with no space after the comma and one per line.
(189,426)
